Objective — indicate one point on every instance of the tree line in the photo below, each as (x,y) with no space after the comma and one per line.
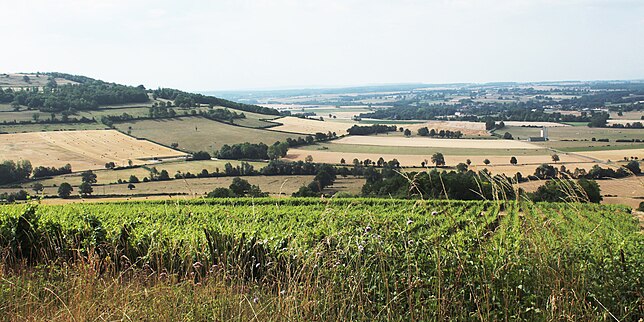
(184,99)
(87,95)
(371,129)
(424,131)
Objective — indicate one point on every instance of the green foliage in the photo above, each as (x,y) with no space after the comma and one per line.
(424,131)
(438,159)
(221,193)
(239,186)
(349,259)
(201,155)
(557,190)
(85,188)
(185,99)
(11,171)
(634,167)
(89,94)
(371,129)
(88,177)
(65,190)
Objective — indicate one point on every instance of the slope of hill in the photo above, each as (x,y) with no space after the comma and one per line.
(51,92)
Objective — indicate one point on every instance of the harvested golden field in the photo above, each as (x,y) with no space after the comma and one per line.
(385,140)
(614,155)
(548,124)
(82,149)
(309,126)
(467,128)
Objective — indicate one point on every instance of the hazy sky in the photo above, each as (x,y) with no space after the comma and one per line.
(254,44)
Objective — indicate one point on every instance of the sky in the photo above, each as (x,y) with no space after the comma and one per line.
(275,44)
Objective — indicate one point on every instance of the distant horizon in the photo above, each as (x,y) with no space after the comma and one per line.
(336,86)
(284,44)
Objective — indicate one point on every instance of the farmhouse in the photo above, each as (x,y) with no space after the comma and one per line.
(542,138)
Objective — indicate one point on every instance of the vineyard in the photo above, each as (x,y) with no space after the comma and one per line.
(312,259)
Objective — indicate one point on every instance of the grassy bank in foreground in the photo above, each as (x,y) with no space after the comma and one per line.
(310,259)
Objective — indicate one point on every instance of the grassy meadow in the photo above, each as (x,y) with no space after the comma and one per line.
(197,133)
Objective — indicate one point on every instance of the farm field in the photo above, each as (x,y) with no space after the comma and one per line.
(614,155)
(628,191)
(467,128)
(16,81)
(106,176)
(82,149)
(276,186)
(197,133)
(308,126)
(22,116)
(631,115)
(255,120)
(548,124)
(411,156)
(576,132)
(418,150)
(386,140)
(392,255)
(24,128)
(624,121)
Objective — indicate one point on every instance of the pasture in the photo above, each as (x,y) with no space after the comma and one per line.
(24,128)
(17,81)
(198,133)
(82,149)
(276,186)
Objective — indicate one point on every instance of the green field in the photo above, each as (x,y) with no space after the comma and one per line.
(309,259)
(410,150)
(197,133)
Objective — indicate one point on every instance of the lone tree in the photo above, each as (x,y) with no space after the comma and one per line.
(438,159)
(486,161)
(407,132)
(37,187)
(131,186)
(308,159)
(86,189)
(65,190)
(634,167)
(513,161)
(239,186)
(555,158)
(468,161)
(88,177)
